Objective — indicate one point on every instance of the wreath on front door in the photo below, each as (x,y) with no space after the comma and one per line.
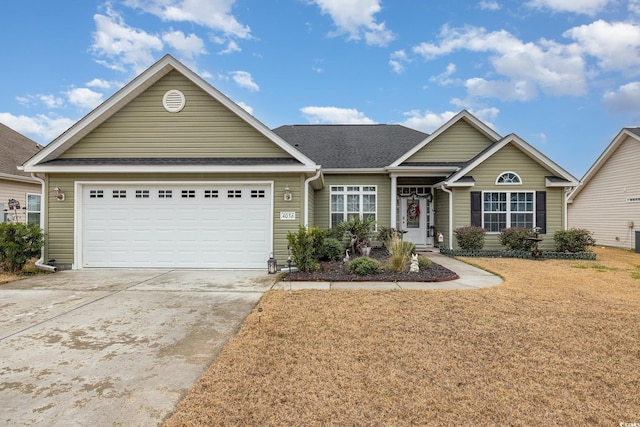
(413,210)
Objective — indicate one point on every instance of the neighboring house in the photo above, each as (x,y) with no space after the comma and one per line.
(607,202)
(20,193)
(169,172)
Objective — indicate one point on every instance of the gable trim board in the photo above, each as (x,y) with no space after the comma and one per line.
(458,157)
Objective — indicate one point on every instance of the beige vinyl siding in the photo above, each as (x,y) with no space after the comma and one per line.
(17,190)
(60,217)
(601,206)
(383,197)
(461,142)
(204,128)
(441,220)
(532,174)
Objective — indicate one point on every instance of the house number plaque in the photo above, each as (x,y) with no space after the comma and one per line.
(287,216)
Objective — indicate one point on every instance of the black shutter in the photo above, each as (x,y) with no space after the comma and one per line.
(476,208)
(541,211)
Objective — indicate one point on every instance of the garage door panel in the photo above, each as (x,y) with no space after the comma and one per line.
(176,226)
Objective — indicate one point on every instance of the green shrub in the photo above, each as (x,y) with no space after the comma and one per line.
(386,235)
(470,237)
(18,244)
(356,231)
(332,250)
(303,248)
(364,266)
(573,240)
(516,238)
(423,262)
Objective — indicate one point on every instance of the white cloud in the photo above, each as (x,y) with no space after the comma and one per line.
(587,7)
(489,5)
(50,101)
(103,84)
(41,128)
(427,121)
(357,19)
(625,98)
(232,46)
(634,6)
(616,45)
(397,61)
(84,97)
(553,68)
(246,107)
(444,78)
(119,46)
(189,46)
(323,115)
(244,80)
(522,90)
(213,14)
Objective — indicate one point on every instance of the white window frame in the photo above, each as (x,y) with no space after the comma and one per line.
(347,190)
(508,183)
(508,212)
(39,212)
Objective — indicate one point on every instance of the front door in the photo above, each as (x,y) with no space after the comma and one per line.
(415,217)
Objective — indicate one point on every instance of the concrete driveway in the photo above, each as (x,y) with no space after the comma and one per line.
(114,347)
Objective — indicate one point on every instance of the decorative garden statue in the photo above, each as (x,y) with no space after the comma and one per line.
(414,264)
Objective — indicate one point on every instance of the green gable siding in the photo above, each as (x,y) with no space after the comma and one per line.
(60,215)
(459,143)
(510,158)
(383,198)
(204,128)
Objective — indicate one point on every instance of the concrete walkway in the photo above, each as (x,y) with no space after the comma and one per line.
(470,278)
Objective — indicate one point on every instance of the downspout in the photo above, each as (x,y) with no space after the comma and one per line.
(306,195)
(565,210)
(43,208)
(446,190)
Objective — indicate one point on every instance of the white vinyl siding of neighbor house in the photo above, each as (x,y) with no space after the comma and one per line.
(532,174)
(602,207)
(459,143)
(60,219)
(204,128)
(17,190)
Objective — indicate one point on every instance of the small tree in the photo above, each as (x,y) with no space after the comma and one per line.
(306,247)
(470,237)
(517,238)
(18,244)
(356,230)
(573,240)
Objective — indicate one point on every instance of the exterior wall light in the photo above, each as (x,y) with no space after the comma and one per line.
(287,194)
(59,194)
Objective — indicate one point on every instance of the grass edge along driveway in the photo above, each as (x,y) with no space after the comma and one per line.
(557,344)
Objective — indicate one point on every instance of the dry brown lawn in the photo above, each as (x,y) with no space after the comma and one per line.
(557,344)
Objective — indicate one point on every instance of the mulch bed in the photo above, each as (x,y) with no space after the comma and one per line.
(338,271)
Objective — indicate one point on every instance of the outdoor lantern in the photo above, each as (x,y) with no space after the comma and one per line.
(287,194)
(272,263)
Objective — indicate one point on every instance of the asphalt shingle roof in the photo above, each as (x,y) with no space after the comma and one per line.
(351,146)
(15,149)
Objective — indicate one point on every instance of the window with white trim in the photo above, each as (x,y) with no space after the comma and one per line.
(508,178)
(506,209)
(33,208)
(352,200)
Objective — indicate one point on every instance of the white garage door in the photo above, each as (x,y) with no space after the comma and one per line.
(176,225)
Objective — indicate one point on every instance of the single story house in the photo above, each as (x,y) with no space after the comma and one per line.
(20,192)
(607,202)
(169,172)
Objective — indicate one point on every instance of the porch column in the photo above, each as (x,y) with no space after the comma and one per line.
(394,200)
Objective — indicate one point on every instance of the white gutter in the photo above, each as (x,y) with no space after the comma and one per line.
(43,208)
(443,188)
(306,195)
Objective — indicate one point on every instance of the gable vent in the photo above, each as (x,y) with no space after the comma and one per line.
(173,101)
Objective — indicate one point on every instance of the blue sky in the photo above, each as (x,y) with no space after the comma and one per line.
(562,74)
